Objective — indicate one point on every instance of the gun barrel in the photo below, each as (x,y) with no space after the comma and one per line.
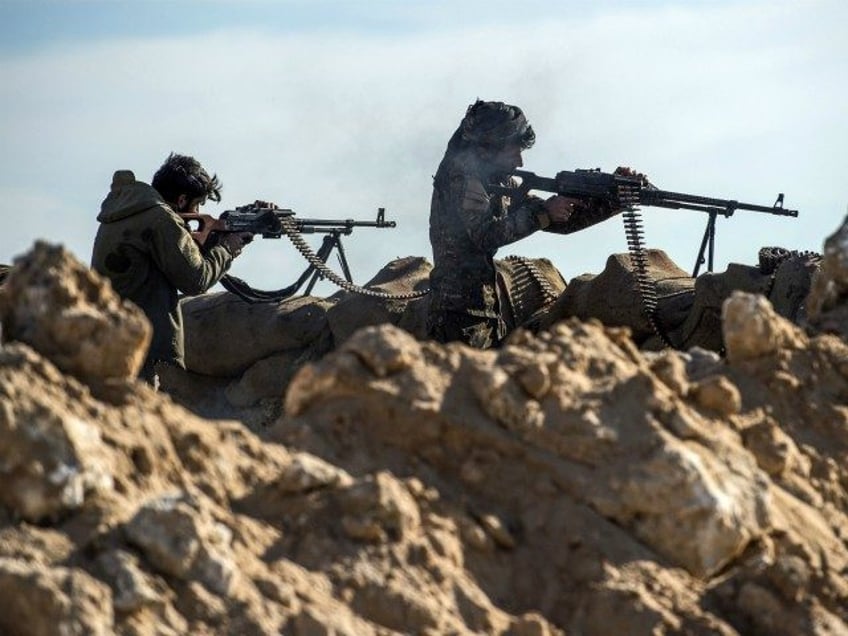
(677,200)
(344,223)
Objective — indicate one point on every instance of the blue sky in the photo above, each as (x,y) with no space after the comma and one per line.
(337,108)
(27,24)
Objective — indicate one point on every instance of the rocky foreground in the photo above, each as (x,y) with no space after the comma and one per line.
(568,483)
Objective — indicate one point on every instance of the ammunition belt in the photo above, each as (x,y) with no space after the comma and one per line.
(770,258)
(290,230)
(526,279)
(645,285)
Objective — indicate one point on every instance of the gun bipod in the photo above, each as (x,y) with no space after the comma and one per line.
(316,270)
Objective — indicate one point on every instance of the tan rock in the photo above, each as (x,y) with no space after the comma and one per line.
(564,483)
(382,502)
(42,601)
(69,314)
(828,299)
(718,394)
(179,538)
(752,329)
(775,451)
(52,458)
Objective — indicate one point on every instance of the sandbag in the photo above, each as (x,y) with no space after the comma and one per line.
(352,311)
(612,296)
(225,335)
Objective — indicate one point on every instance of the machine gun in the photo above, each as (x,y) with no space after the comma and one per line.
(271,222)
(622,191)
(268,221)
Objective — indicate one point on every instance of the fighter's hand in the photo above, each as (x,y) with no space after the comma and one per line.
(560,208)
(235,241)
(624,171)
(265,204)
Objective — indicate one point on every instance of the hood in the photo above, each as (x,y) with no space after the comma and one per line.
(127,197)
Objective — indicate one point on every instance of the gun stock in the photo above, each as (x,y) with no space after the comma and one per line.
(249,218)
(202,225)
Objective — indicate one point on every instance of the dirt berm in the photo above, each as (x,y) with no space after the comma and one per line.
(568,483)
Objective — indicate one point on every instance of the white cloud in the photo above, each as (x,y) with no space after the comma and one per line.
(735,100)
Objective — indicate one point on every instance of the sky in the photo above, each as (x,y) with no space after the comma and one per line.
(337,108)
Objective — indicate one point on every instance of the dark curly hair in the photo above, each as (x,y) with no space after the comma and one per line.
(181,174)
(493,125)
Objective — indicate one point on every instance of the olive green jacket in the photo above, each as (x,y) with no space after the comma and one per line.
(147,252)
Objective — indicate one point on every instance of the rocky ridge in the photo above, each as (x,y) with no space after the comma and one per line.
(567,483)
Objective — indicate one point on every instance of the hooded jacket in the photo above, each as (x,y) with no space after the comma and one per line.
(147,252)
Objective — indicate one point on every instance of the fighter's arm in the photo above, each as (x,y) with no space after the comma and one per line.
(487,228)
(180,258)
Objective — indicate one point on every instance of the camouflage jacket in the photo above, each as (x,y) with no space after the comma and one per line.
(147,252)
(467,226)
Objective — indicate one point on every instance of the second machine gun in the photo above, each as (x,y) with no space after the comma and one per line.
(269,221)
(621,191)
(624,193)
